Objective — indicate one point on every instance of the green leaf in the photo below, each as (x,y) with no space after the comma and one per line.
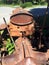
(11,48)
(11,52)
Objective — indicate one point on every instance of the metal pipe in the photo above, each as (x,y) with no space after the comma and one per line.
(9,32)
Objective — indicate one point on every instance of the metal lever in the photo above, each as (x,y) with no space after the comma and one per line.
(9,31)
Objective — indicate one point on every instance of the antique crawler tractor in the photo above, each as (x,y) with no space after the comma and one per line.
(21,25)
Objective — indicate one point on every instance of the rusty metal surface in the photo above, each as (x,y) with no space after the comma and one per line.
(16,30)
(21,20)
(24,54)
(21,17)
(28,61)
(31,57)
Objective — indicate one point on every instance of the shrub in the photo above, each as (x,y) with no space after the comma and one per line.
(42,3)
(10,47)
(4,1)
(27,4)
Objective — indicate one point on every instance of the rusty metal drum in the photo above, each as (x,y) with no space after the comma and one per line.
(21,21)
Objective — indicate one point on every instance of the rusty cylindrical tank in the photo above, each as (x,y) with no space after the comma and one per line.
(21,21)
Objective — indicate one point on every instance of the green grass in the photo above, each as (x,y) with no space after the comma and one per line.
(15,5)
(9,5)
